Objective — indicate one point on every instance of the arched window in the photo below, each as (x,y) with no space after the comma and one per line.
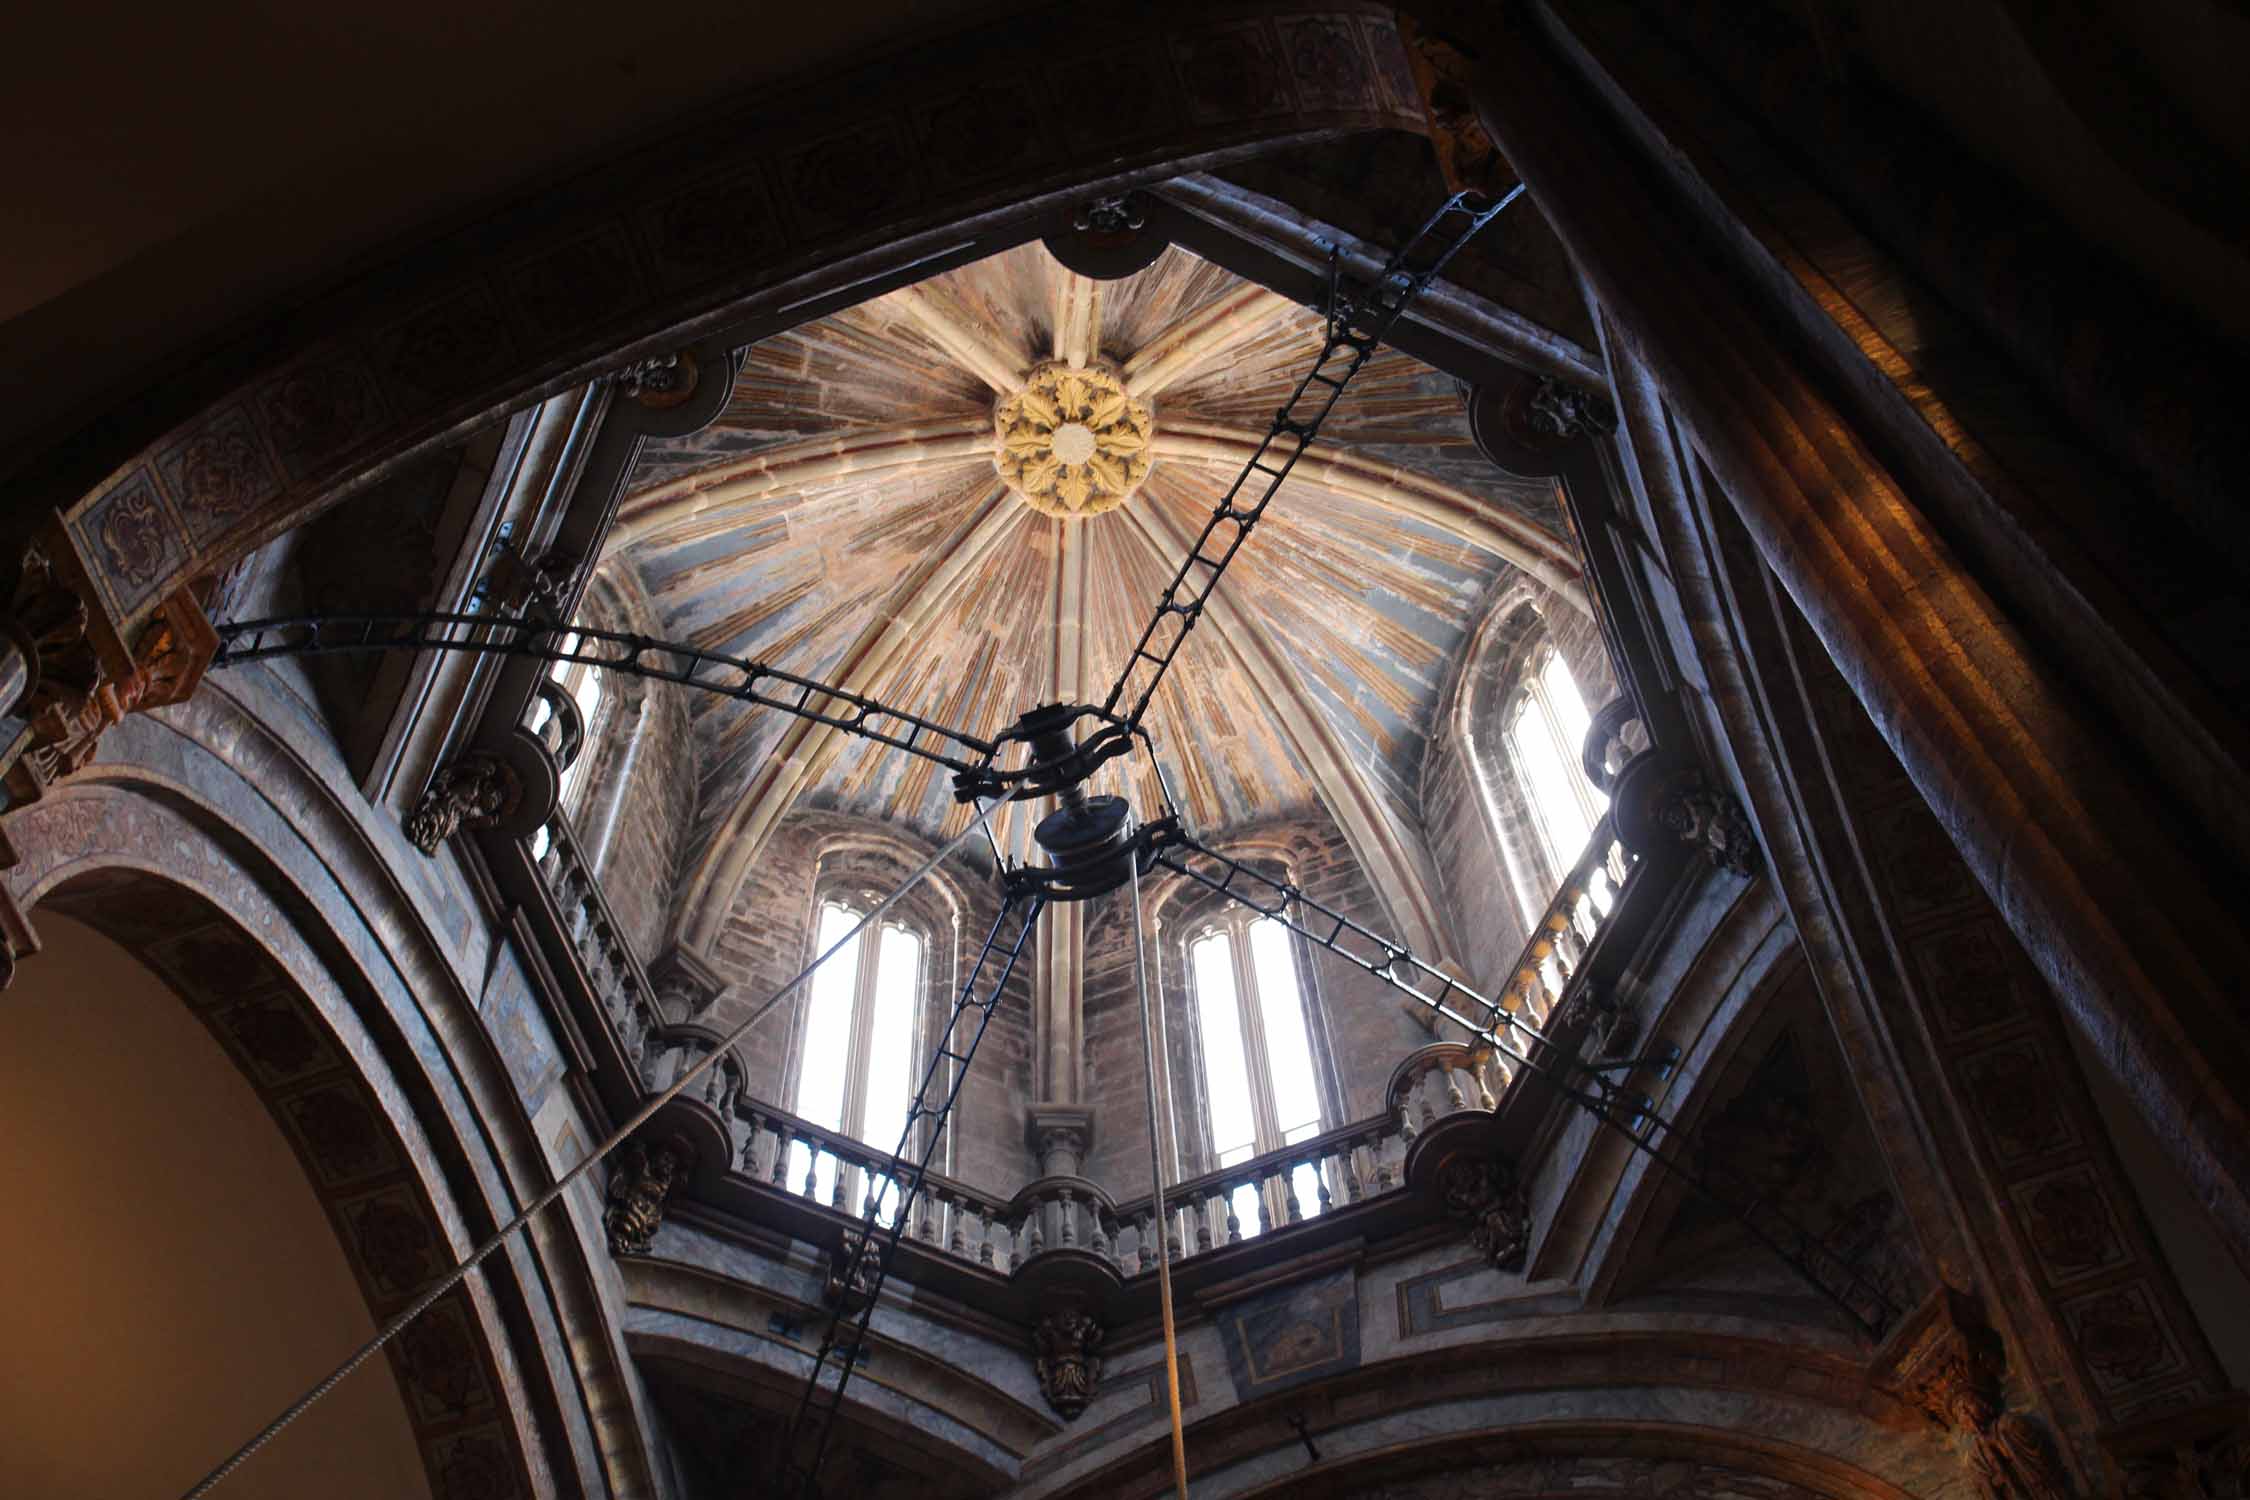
(1546,727)
(1257,1031)
(856,1052)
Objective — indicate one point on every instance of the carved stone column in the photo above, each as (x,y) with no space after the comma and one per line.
(1484,1193)
(1068,1362)
(476,791)
(640,1181)
(1946,1362)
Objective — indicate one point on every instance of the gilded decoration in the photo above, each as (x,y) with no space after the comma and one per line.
(1072,443)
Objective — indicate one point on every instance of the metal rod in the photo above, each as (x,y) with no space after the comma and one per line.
(1152,1039)
(617,1137)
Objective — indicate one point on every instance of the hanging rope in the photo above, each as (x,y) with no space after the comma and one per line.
(616,1138)
(1152,1033)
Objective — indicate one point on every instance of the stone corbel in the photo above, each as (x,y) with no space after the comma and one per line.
(687,987)
(851,1274)
(1659,801)
(66,673)
(1068,1360)
(641,1180)
(1947,1363)
(479,790)
(1611,1027)
(1484,1193)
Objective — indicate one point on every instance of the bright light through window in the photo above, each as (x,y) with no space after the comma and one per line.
(1259,1077)
(1226,1068)
(855,1070)
(1545,733)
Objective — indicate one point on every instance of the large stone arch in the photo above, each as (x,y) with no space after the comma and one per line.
(785,198)
(1585,1391)
(290,1022)
(237,793)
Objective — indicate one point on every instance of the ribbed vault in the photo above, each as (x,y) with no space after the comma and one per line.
(845,518)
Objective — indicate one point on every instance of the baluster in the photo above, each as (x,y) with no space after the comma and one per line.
(1068,1218)
(844,1171)
(1234,1221)
(812,1168)
(925,1227)
(1384,1178)
(1296,1208)
(782,1141)
(1261,1183)
(984,1237)
(1455,1100)
(1479,1074)
(1354,1189)
(1100,1243)
(1037,1231)
(957,1236)
(1321,1168)
(749,1156)
(1145,1234)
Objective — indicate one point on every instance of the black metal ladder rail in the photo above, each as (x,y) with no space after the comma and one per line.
(863,1262)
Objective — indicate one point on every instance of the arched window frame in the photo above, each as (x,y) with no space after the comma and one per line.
(1204,919)
(1500,676)
(863,991)
(1533,697)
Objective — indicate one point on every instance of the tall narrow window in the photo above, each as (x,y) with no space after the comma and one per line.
(1545,731)
(1262,1088)
(855,1062)
(583,683)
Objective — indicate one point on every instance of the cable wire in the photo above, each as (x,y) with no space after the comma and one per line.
(1152,1036)
(616,1138)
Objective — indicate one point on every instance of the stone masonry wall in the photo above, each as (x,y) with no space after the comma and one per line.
(768,937)
(1365,1028)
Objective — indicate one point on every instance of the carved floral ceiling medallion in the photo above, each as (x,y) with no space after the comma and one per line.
(1072,443)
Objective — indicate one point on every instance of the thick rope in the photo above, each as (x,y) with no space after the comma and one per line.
(1152,1032)
(616,1138)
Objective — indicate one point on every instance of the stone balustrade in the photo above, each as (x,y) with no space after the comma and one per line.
(775,1152)
(1565,933)
(780,1153)
(613,972)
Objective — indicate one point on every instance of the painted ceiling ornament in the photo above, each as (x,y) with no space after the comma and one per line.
(1072,443)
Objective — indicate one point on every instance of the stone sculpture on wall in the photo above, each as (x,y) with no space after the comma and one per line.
(1485,1193)
(1069,1363)
(476,791)
(1951,1368)
(638,1188)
